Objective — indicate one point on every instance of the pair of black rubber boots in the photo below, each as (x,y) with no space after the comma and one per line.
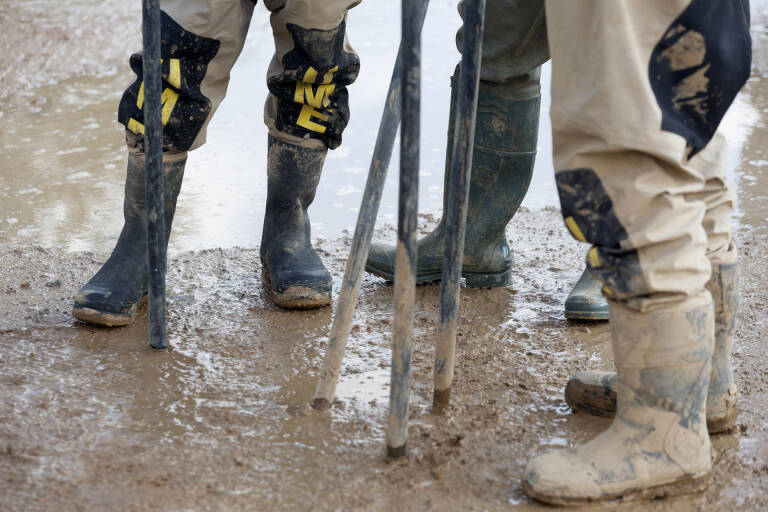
(292,269)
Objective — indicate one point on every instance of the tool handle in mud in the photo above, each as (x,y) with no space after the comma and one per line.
(155,186)
(455,215)
(366,219)
(405,259)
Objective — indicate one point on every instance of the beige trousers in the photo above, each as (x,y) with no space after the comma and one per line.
(313,63)
(514,44)
(638,91)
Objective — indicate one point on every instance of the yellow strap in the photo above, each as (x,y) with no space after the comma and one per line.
(570,222)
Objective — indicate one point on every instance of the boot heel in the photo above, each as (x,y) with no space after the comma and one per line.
(723,423)
(482,280)
(105,318)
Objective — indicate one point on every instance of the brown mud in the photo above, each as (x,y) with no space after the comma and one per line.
(92,419)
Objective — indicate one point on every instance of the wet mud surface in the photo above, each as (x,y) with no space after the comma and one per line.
(44,42)
(63,151)
(92,419)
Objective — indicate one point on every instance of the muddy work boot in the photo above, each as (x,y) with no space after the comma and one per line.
(294,271)
(112,296)
(586,300)
(658,443)
(594,392)
(502,165)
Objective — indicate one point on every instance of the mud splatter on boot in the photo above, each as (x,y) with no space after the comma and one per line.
(594,392)
(112,296)
(723,397)
(294,272)
(658,443)
(506,130)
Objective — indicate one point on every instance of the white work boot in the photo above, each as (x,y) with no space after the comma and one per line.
(658,443)
(592,392)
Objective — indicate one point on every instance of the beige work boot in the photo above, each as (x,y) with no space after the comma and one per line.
(723,398)
(657,444)
(592,392)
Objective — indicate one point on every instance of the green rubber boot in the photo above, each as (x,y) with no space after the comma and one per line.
(594,392)
(506,129)
(586,300)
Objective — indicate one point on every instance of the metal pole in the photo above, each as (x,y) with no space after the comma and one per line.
(155,180)
(366,219)
(405,260)
(458,197)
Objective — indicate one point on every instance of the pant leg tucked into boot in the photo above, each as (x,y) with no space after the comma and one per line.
(627,159)
(594,392)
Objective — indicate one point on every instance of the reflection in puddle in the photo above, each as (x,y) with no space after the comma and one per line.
(63,161)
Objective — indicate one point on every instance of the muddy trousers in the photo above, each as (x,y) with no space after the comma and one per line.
(638,91)
(306,112)
(313,63)
(639,163)
(513,49)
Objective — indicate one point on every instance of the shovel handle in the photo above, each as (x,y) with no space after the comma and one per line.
(458,198)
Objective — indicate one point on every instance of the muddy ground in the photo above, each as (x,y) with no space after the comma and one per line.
(92,419)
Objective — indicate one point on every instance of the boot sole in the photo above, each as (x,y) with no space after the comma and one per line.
(591,316)
(723,423)
(298,297)
(104,319)
(682,486)
(473,280)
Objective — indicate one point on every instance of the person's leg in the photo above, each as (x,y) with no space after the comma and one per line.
(200,43)
(593,392)
(638,90)
(506,128)
(306,112)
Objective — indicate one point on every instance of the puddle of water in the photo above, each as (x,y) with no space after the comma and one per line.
(63,160)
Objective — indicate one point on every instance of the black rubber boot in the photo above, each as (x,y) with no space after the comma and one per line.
(112,296)
(295,274)
(586,300)
(506,130)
